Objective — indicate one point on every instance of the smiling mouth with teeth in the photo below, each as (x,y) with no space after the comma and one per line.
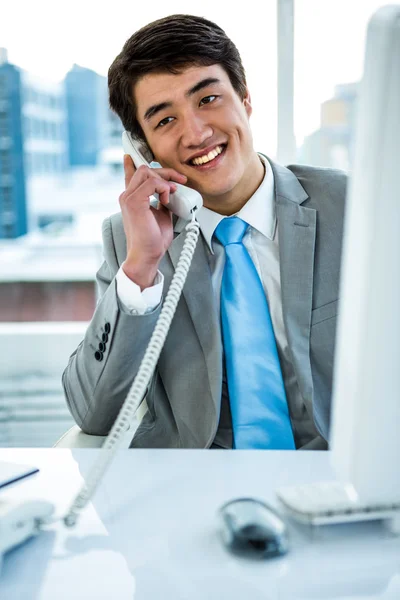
(202,160)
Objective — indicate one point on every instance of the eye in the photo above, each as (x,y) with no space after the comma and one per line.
(208,99)
(164,122)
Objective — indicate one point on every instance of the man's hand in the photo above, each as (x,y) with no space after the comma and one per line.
(148,230)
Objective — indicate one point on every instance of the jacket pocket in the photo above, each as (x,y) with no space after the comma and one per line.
(327,311)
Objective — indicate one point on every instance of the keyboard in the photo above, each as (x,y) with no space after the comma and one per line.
(330,502)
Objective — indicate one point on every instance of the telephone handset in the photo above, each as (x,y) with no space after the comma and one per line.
(182,202)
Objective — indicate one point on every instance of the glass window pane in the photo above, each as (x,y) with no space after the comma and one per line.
(329,54)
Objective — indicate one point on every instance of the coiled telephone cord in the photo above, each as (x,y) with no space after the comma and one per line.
(127,419)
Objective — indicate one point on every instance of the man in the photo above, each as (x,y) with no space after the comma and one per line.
(248,359)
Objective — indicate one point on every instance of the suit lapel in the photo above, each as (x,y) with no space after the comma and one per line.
(201,304)
(199,299)
(296,231)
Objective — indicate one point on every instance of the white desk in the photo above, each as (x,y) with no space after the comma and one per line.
(150,533)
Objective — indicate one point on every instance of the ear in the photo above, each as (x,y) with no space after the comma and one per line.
(247,103)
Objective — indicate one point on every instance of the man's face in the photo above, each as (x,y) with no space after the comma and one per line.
(186,117)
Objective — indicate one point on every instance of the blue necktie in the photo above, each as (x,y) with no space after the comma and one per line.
(260,417)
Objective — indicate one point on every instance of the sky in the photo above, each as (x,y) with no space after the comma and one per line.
(46,38)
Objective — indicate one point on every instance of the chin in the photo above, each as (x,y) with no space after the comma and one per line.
(215,192)
(222,185)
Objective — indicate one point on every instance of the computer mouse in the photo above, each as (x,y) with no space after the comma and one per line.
(251,528)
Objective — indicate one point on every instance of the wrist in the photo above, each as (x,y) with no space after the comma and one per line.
(141,274)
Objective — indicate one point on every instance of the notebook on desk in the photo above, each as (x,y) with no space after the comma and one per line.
(13,472)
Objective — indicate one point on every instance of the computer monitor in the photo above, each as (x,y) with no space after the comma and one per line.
(365,434)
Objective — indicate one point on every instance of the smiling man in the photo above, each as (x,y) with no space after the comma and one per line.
(208,117)
(249,356)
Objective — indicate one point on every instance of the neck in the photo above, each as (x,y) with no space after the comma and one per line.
(231,202)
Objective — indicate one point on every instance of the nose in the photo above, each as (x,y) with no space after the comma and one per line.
(195,131)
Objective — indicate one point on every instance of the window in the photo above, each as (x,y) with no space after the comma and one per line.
(4,124)
(5,162)
(8,230)
(329,55)
(53,131)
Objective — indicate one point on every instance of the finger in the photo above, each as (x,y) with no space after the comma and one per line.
(129,169)
(164,198)
(171,175)
(163,216)
(140,197)
(144,173)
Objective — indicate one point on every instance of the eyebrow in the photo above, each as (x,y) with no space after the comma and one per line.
(152,110)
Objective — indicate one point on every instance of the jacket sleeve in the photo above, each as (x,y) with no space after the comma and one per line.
(96,383)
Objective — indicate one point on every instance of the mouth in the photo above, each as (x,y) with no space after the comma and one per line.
(210,160)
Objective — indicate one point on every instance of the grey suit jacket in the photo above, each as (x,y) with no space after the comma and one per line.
(184,395)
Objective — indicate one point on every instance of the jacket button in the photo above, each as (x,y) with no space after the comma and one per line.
(98,355)
(107,327)
(104,338)
(102,347)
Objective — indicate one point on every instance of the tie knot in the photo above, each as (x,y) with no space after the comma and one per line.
(230,231)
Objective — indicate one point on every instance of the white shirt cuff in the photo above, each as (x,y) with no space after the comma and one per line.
(135,301)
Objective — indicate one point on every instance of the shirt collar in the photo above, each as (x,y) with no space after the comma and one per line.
(259,211)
